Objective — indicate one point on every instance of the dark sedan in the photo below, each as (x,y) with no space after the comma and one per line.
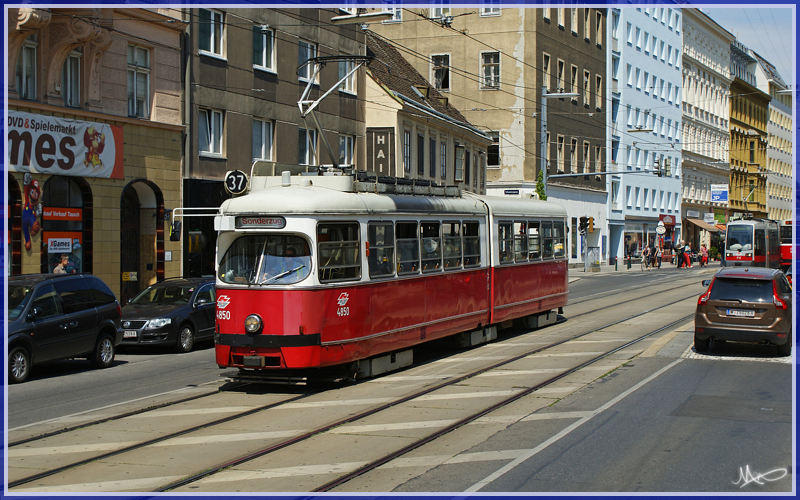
(175,312)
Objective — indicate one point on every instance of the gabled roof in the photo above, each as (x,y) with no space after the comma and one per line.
(390,69)
(770,70)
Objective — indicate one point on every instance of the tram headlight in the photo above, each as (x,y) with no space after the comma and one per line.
(253,323)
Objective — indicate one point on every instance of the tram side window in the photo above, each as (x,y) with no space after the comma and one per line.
(558,239)
(381,249)
(472,245)
(431,247)
(534,241)
(547,240)
(520,241)
(760,243)
(241,260)
(505,238)
(407,248)
(451,233)
(338,252)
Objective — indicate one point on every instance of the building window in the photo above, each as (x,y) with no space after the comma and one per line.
(490,63)
(263,48)
(598,33)
(547,152)
(443,158)
(26,68)
(420,154)
(574,81)
(546,14)
(573,20)
(752,151)
(262,140)
(346,148)
(349,84)
(440,12)
(586,158)
(546,70)
(560,153)
(307,151)
(586,25)
(407,150)
(459,162)
(210,132)
(597,163)
(599,92)
(467,168)
(212,31)
(307,50)
(432,156)
(441,71)
(573,156)
(560,76)
(138,81)
(71,79)
(586,88)
(560,18)
(397,14)
(489,8)
(493,153)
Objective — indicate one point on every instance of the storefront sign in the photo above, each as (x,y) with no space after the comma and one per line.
(61,146)
(130,276)
(708,218)
(59,245)
(719,193)
(668,220)
(692,214)
(511,191)
(71,214)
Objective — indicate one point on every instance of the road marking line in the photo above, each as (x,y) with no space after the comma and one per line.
(145,484)
(508,467)
(323,404)
(195,411)
(355,429)
(463,395)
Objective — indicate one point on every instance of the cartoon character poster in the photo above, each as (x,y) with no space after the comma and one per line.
(31,210)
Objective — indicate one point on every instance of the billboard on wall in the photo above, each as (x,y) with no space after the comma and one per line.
(62,146)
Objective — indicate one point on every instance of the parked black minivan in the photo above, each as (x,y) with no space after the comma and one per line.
(60,316)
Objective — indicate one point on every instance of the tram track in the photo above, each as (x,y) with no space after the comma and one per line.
(326,427)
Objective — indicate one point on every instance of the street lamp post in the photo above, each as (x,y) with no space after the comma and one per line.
(543,136)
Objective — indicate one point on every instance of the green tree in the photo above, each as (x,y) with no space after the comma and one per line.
(540,186)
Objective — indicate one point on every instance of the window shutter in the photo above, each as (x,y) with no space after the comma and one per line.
(258,46)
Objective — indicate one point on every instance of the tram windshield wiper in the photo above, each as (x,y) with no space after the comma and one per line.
(279,276)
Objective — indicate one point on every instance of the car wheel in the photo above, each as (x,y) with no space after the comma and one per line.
(785,349)
(19,365)
(700,345)
(185,339)
(103,355)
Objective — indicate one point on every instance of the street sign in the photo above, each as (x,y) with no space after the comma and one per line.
(661,230)
(719,193)
(235,182)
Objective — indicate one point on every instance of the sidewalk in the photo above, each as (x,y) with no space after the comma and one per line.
(576,273)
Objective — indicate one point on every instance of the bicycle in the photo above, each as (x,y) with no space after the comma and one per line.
(645,262)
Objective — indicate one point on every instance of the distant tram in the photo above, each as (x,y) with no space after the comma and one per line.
(787,245)
(753,243)
(330,274)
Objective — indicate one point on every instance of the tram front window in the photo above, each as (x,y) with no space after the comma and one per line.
(740,239)
(266,260)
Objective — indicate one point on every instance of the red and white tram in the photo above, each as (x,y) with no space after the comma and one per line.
(787,244)
(753,243)
(314,272)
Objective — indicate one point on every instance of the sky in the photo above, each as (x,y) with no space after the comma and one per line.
(768,31)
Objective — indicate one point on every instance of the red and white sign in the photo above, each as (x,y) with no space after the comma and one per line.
(261,222)
(61,146)
(63,241)
(74,214)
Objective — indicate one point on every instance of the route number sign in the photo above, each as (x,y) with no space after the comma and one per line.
(235,182)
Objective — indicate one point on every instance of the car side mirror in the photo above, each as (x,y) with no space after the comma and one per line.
(34,313)
(200,302)
(706,282)
(129,301)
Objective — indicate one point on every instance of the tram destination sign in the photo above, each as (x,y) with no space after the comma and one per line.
(258,222)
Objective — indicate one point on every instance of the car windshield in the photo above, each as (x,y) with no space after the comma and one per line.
(165,294)
(18,296)
(745,290)
(278,259)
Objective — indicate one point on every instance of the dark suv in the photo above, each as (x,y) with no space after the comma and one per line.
(745,305)
(176,312)
(60,316)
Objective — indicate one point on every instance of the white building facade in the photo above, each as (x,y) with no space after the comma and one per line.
(779,138)
(644,128)
(705,126)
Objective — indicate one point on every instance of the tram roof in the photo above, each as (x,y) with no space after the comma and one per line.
(298,200)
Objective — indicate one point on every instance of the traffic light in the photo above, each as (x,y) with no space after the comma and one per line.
(584,224)
(591,224)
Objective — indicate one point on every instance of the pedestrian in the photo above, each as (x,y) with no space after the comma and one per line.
(61,268)
(679,254)
(703,255)
(687,252)
(658,256)
(646,257)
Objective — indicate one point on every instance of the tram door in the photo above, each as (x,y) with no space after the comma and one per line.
(129,245)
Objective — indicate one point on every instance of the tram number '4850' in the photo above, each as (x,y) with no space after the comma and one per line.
(343,311)
(223,315)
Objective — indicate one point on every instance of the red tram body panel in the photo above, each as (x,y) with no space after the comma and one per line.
(312,273)
(787,244)
(753,243)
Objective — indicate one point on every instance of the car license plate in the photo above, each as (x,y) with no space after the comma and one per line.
(129,334)
(741,312)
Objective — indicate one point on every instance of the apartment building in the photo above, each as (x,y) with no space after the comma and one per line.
(706,127)
(492,64)
(246,70)
(94,142)
(644,139)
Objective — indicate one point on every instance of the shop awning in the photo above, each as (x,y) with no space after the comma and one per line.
(703,225)
(722,227)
